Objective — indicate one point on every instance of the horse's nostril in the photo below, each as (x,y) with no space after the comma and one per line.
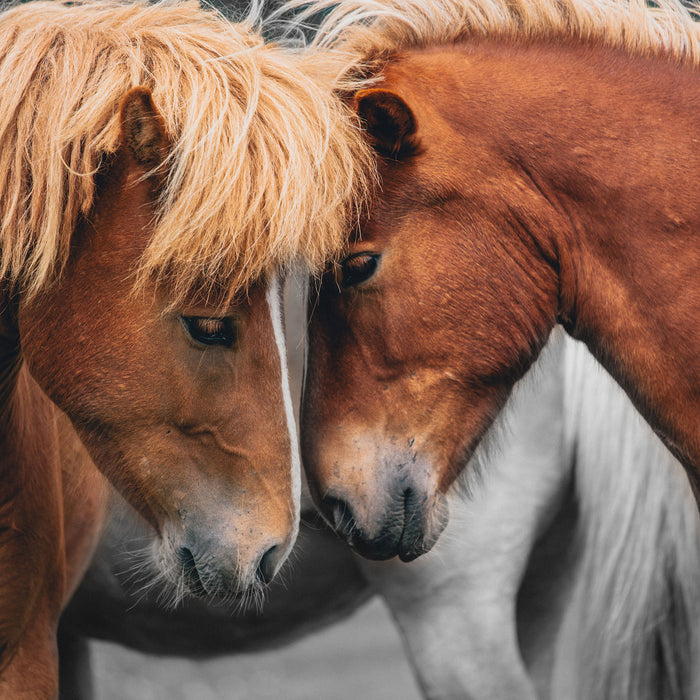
(189,570)
(268,565)
(340,514)
(184,554)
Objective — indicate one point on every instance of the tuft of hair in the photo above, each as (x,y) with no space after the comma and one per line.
(363,34)
(631,629)
(267,168)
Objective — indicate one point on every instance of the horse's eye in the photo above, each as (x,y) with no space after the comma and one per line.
(357,268)
(211,331)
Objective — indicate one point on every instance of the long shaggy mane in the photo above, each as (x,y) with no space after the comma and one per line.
(632,627)
(266,167)
(363,34)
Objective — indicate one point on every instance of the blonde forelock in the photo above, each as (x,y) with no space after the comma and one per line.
(266,169)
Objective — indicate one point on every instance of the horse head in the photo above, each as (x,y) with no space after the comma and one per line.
(183,400)
(408,362)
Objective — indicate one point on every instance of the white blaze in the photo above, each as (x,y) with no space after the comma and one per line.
(274,301)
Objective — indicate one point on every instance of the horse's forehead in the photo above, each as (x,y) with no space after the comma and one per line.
(404,76)
(407,70)
(245,302)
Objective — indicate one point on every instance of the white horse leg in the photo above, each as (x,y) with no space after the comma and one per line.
(455,606)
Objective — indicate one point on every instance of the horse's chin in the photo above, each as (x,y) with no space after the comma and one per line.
(435,521)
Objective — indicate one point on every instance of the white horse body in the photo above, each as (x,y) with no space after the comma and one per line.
(569,572)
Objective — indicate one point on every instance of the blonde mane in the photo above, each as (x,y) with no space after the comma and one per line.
(266,167)
(363,34)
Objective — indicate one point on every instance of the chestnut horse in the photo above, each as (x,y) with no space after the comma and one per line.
(160,166)
(539,164)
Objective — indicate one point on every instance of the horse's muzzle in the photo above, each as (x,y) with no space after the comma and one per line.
(410,527)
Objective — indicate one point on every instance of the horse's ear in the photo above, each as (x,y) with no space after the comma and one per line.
(143,129)
(388,120)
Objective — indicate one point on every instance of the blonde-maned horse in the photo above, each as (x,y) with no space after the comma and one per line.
(539,164)
(160,167)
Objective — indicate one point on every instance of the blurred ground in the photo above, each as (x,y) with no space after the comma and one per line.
(359,658)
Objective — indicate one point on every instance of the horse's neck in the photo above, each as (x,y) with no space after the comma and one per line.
(610,146)
(31,502)
(30,460)
(53,499)
(27,422)
(595,154)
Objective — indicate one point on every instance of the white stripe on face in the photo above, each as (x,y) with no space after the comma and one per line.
(274,301)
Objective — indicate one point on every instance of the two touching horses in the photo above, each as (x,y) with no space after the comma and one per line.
(539,163)
(158,168)
(518,144)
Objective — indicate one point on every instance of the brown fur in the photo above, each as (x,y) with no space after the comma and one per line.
(553,180)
